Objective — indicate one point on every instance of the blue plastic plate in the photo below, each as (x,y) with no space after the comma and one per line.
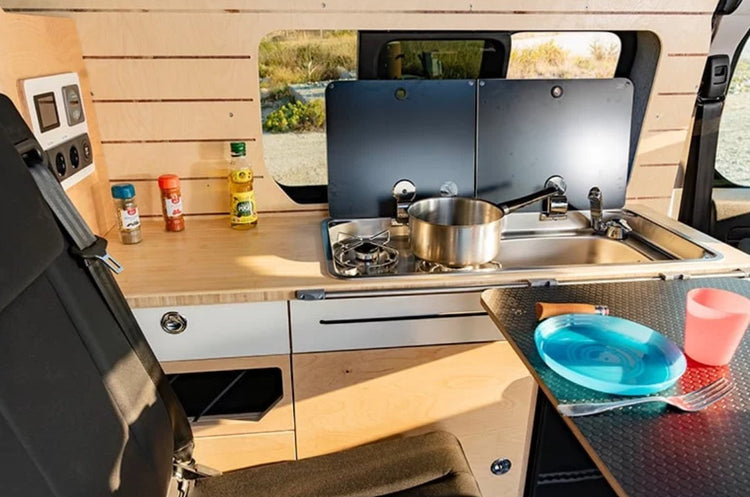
(609,354)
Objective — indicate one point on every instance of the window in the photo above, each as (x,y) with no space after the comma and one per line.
(732,152)
(571,55)
(295,68)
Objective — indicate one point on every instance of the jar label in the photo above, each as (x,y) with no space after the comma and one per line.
(129,219)
(173,206)
(242,208)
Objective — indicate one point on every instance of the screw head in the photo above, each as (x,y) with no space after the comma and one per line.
(500,466)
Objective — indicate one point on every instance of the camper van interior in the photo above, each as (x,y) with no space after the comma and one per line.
(455,248)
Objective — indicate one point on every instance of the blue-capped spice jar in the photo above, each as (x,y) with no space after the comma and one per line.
(128,221)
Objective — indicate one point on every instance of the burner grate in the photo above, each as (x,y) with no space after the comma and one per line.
(365,255)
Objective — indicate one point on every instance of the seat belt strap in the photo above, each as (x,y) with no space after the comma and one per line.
(93,252)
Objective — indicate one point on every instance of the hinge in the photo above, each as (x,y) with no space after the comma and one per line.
(541,282)
(312,294)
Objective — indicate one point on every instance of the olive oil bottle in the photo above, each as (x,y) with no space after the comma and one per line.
(242,210)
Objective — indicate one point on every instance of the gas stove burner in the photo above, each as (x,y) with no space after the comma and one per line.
(423,266)
(358,255)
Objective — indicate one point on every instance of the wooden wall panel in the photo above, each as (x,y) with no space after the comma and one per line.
(171,79)
(33,46)
(479,6)
(178,121)
(154,86)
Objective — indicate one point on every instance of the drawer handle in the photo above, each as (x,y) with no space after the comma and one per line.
(173,322)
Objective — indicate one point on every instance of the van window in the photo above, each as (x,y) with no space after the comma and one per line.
(295,67)
(441,59)
(732,152)
(569,55)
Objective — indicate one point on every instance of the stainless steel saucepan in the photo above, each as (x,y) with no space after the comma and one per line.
(458,231)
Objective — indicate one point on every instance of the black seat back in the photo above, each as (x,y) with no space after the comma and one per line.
(80,414)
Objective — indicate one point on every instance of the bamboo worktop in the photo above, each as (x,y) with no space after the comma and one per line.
(210,263)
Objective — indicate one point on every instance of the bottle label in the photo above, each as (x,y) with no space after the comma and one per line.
(173,205)
(242,208)
(242,175)
(129,219)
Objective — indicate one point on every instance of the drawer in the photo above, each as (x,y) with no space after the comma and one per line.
(215,331)
(240,451)
(380,322)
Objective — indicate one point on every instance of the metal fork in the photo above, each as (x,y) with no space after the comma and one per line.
(693,401)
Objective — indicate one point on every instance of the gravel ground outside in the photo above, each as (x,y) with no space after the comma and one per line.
(296,159)
(733,153)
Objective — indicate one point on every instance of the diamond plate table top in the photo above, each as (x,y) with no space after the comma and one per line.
(646,450)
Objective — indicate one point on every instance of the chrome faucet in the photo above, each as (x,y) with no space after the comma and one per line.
(614,228)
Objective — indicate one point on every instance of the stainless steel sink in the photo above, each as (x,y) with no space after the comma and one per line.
(571,250)
(527,243)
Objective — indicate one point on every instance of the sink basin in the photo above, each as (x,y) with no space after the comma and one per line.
(568,250)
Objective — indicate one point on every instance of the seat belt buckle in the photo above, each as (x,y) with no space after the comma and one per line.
(98,250)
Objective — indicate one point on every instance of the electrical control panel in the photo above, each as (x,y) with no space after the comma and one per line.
(58,120)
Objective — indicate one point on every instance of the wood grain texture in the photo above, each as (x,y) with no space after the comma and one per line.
(209,263)
(172,78)
(650,181)
(230,452)
(131,56)
(591,6)
(33,46)
(481,393)
(279,418)
(178,120)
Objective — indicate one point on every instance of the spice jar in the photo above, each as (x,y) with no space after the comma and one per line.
(128,221)
(171,202)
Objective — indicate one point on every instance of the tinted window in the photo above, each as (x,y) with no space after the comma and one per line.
(733,153)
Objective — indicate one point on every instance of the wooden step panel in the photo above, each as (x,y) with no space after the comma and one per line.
(226,453)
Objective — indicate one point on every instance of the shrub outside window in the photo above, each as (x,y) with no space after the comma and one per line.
(732,153)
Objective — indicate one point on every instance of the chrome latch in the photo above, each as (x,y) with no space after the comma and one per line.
(404,192)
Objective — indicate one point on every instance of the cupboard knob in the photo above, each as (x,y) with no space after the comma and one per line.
(173,322)
(500,466)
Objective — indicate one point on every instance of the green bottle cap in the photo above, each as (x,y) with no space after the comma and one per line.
(237,148)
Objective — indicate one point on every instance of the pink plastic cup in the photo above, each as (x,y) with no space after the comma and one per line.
(715,323)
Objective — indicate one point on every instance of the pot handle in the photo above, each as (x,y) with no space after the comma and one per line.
(555,185)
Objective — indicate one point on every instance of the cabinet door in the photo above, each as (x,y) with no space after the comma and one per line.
(482,393)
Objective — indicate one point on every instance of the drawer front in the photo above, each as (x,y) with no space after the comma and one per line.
(215,331)
(380,322)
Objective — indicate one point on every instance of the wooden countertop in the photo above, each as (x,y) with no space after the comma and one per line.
(210,263)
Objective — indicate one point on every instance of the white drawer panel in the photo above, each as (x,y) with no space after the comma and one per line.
(222,330)
(378,322)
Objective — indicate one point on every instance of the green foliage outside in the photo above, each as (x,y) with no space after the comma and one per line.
(296,116)
(289,57)
(740,78)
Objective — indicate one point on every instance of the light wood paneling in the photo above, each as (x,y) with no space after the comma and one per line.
(172,78)
(662,147)
(216,33)
(178,121)
(659,204)
(479,6)
(651,181)
(240,451)
(279,418)
(669,112)
(33,46)
(481,393)
(195,159)
(211,48)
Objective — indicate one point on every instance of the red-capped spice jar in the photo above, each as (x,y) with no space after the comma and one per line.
(171,202)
